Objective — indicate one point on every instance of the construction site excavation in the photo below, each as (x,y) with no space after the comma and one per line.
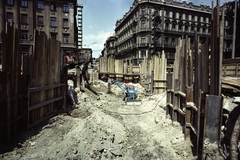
(60,103)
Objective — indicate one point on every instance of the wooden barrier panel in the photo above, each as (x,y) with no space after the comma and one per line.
(45,71)
(160,68)
(34,94)
(189,105)
(13,86)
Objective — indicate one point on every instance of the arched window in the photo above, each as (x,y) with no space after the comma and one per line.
(143,24)
(143,11)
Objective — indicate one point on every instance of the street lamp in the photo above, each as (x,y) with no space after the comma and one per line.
(91,43)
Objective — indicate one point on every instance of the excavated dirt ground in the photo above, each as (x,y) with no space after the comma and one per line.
(102,126)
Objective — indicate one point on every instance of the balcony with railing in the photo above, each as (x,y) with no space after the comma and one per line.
(143,44)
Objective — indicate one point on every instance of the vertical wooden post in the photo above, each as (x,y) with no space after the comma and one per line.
(152,77)
(8,108)
(236,71)
(83,81)
(78,77)
(29,102)
(176,99)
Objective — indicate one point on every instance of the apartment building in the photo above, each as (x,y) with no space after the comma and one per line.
(79,25)
(109,46)
(55,18)
(134,31)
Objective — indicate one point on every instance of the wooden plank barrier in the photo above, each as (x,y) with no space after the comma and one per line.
(194,96)
(45,75)
(35,93)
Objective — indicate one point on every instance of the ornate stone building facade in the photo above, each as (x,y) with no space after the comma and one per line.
(134,32)
(55,18)
(79,24)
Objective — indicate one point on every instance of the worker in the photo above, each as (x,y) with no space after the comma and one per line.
(84,68)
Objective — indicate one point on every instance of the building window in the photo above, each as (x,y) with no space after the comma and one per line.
(186,28)
(143,39)
(186,16)
(65,38)
(198,29)
(173,41)
(9,2)
(204,30)
(143,25)
(40,20)
(65,7)
(53,22)
(24,3)
(143,11)
(65,22)
(53,6)
(167,26)
(25,49)
(24,35)
(192,28)
(174,15)
(198,18)
(204,20)
(24,19)
(179,16)
(40,4)
(54,35)
(166,41)
(143,53)
(9,17)
(173,26)
(167,14)
(180,28)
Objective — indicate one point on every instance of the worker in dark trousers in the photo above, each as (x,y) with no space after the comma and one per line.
(84,68)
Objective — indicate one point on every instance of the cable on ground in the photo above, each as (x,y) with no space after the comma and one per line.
(129,113)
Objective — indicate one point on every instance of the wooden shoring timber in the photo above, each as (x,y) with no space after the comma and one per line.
(215,55)
(190,69)
(105,64)
(231,70)
(158,65)
(197,71)
(187,50)
(119,69)
(131,66)
(189,105)
(45,76)
(221,32)
(36,89)
(108,62)
(155,59)
(205,68)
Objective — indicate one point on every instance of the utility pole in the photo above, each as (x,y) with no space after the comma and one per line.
(234,30)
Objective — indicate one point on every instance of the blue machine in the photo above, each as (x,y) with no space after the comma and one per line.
(129,90)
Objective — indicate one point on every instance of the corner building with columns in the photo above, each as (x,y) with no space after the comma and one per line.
(134,35)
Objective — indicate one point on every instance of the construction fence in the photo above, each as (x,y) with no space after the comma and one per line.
(194,88)
(151,73)
(32,86)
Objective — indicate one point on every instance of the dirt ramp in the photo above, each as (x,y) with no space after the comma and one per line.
(102,136)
